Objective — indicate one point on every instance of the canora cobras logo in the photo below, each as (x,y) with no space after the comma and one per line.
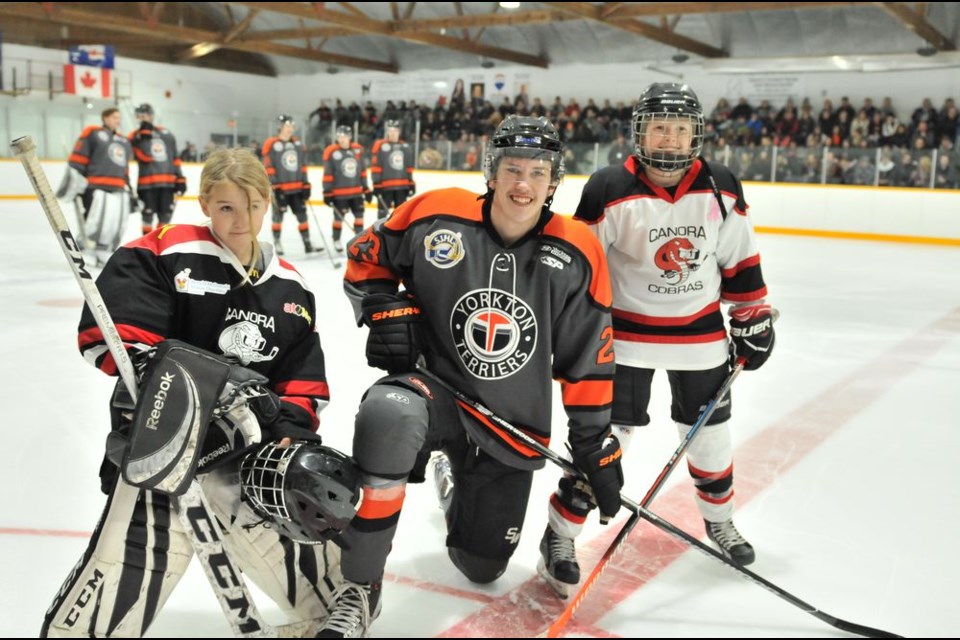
(443,248)
(245,341)
(677,258)
(495,333)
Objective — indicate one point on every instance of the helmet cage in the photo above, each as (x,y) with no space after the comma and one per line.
(309,492)
(672,104)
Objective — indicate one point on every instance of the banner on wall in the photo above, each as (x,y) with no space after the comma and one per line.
(91,82)
(92,55)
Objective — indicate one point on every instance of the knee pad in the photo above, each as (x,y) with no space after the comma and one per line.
(390,430)
(475,568)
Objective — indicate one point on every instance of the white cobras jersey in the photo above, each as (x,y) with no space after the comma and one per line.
(673,258)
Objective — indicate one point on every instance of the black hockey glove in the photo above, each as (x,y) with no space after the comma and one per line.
(368,195)
(145,131)
(328,199)
(751,334)
(395,337)
(134,202)
(181,187)
(600,462)
(413,188)
(279,201)
(307,190)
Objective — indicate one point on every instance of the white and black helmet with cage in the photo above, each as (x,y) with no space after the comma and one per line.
(524,137)
(307,491)
(663,102)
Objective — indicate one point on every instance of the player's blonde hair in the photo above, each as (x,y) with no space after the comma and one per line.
(243,169)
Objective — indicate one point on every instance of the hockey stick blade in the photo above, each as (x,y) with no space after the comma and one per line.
(521,437)
(207,541)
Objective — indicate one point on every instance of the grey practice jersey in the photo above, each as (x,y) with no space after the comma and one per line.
(501,322)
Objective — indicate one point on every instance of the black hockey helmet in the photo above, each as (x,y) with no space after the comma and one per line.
(345,130)
(284,118)
(391,124)
(308,491)
(524,137)
(144,109)
(666,101)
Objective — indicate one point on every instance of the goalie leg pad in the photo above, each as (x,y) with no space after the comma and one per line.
(72,185)
(106,220)
(177,399)
(134,559)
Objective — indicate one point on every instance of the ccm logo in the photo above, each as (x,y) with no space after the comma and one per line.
(611,458)
(395,313)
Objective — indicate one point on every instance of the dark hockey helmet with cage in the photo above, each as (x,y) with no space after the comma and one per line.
(308,492)
(392,124)
(345,130)
(143,109)
(524,137)
(666,101)
(285,118)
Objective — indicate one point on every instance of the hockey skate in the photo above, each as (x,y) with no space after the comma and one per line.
(443,479)
(731,543)
(357,605)
(278,246)
(308,247)
(338,245)
(558,563)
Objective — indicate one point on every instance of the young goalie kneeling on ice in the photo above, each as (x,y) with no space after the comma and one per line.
(232,380)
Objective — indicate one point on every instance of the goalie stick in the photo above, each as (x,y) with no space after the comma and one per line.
(194,511)
(521,437)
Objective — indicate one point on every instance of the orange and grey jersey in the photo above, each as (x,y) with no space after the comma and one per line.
(344,171)
(501,322)
(103,157)
(286,163)
(156,153)
(181,282)
(391,164)
(673,258)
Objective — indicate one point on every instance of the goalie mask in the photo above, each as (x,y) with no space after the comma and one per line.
(668,127)
(525,137)
(308,491)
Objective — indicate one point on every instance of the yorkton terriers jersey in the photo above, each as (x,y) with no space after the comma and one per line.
(673,258)
(180,282)
(500,321)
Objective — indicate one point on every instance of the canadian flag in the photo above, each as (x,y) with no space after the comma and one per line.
(93,82)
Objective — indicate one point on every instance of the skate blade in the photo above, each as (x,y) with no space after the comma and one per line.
(562,589)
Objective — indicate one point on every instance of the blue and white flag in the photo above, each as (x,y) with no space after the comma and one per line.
(92,55)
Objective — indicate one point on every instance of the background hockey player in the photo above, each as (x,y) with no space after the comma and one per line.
(186,283)
(391,167)
(160,178)
(502,296)
(285,158)
(345,182)
(102,156)
(679,241)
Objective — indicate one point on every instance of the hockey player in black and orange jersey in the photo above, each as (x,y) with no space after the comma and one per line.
(680,243)
(285,158)
(160,176)
(391,166)
(102,155)
(217,288)
(345,182)
(501,296)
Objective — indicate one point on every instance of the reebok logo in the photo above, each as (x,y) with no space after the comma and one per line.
(395,313)
(159,398)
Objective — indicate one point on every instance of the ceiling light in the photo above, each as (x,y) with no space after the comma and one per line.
(680,57)
(509,5)
(487,64)
(927,50)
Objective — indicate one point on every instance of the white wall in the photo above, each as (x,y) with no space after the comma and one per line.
(916,213)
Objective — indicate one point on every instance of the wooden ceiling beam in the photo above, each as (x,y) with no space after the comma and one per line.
(485,20)
(917,23)
(650,9)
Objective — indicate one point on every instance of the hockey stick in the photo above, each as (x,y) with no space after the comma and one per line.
(194,511)
(384,205)
(554,630)
(313,214)
(663,525)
